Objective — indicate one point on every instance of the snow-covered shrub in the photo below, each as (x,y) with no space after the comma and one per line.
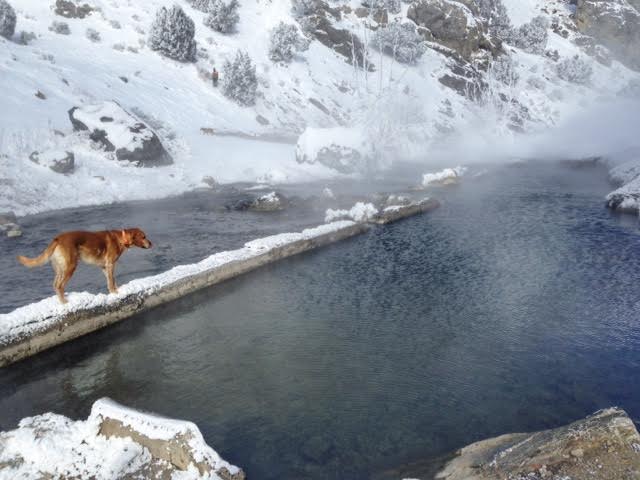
(302,8)
(172,34)
(202,5)
(392,6)
(25,38)
(239,80)
(93,35)
(284,41)
(223,17)
(115,24)
(574,70)
(531,37)
(401,41)
(7,19)
(61,28)
(495,14)
(503,69)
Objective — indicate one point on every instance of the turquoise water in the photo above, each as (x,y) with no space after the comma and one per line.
(514,307)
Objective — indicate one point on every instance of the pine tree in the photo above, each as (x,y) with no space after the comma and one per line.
(7,19)
(223,17)
(285,40)
(172,34)
(239,80)
(202,5)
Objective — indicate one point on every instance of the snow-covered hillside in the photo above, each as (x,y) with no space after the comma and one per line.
(402,110)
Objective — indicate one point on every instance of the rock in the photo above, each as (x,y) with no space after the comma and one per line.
(450,24)
(69,9)
(464,79)
(448,176)
(378,15)
(615,24)
(271,202)
(59,161)
(345,150)
(14,232)
(599,447)
(124,442)
(319,25)
(209,181)
(262,120)
(7,218)
(40,95)
(120,132)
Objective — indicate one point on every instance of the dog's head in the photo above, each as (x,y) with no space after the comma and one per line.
(135,237)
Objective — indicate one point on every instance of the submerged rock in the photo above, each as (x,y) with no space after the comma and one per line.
(120,132)
(603,446)
(271,202)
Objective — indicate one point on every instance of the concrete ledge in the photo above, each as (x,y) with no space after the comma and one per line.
(37,327)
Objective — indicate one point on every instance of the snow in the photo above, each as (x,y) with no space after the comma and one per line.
(448,174)
(65,448)
(360,212)
(396,112)
(37,317)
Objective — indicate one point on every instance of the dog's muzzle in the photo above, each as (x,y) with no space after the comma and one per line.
(147,244)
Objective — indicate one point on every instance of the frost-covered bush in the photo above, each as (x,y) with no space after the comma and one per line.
(61,28)
(503,69)
(172,34)
(239,80)
(531,37)
(284,41)
(7,19)
(495,14)
(223,17)
(25,38)
(302,8)
(401,41)
(574,70)
(392,6)
(202,5)
(93,35)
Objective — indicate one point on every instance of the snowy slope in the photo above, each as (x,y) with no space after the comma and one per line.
(405,108)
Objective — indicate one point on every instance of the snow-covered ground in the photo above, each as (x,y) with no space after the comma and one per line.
(400,111)
(54,446)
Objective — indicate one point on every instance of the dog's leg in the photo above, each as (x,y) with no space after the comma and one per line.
(111,281)
(58,264)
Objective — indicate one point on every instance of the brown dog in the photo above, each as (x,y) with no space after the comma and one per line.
(97,248)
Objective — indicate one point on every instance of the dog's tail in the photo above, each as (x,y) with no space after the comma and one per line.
(42,259)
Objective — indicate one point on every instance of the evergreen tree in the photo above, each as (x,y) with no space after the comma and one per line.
(239,80)
(7,19)
(285,40)
(172,34)
(223,17)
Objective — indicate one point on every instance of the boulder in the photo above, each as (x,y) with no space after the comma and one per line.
(615,24)
(120,132)
(451,24)
(345,150)
(271,202)
(59,161)
(603,446)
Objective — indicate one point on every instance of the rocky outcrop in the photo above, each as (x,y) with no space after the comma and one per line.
(271,202)
(452,25)
(9,224)
(342,149)
(615,24)
(318,23)
(603,446)
(120,132)
(58,161)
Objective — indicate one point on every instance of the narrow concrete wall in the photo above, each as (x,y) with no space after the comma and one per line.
(83,321)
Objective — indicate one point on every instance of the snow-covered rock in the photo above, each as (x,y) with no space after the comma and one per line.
(342,149)
(59,161)
(120,132)
(360,212)
(114,442)
(448,176)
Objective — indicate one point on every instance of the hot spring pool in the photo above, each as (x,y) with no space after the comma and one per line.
(513,307)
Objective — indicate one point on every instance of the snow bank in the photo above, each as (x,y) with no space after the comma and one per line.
(54,445)
(346,150)
(443,177)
